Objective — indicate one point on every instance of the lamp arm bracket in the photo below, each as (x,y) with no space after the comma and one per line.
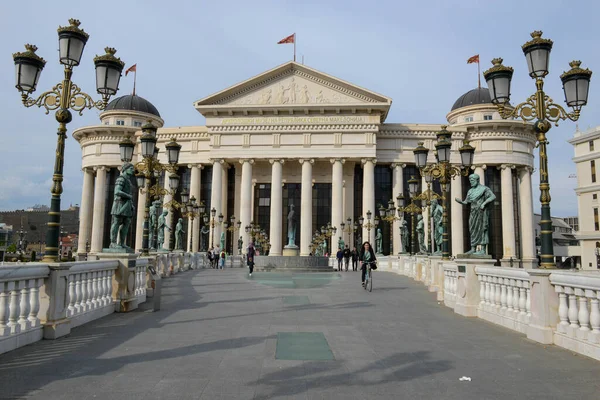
(555,113)
(527,111)
(50,100)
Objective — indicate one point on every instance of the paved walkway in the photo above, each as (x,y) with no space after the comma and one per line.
(216,338)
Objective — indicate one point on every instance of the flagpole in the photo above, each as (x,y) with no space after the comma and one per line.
(134,79)
(294,47)
(478,75)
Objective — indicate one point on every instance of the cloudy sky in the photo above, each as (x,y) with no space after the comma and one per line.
(412,51)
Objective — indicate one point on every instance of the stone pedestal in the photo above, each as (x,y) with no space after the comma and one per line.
(54,299)
(123,284)
(467,286)
(544,307)
(291,251)
(436,278)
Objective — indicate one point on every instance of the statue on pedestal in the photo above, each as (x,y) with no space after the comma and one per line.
(204,231)
(291,226)
(379,241)
(341,243)
(358,240)
(223,241)
(162,225)
(122,208)
(179,235)
(479,196)
(240,245)
(404,236)
(421,234)
(153,216)
(437,213)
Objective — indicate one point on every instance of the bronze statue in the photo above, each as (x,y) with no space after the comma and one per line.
(122,208)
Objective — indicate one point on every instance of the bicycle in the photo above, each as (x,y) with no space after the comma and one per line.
(369,277)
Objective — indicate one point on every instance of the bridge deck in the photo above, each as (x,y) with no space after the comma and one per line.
(216,337)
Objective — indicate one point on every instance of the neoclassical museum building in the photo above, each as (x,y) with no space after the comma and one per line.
(295,135)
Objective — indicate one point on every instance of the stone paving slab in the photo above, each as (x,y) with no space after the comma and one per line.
(216,338)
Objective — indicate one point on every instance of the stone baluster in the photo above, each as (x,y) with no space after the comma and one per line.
(78,294)
(106,284)
(497,302)
(573,312)
(509,295)
(34,301)
(516,291)
(481,290)
(90,292)
(528,301)
(487,291)
(71,294)
(503,298)
(13,308)
(94,290)
(583,316)
(83,303)
(522,299)
(24,306)
(594,314)
(563,310)
(4,300)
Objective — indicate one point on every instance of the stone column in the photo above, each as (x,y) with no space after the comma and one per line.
(86,210)
(480,170)
(526,218)
(246,198)
(139,223)
(306,207)
(457,228)
(168,220)
(337,199)
(194,192)
(99,209)
(276,207)
(216,199)
(508,213)
(397,188)
(369,195)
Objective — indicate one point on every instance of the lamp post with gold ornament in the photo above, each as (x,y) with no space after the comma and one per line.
(63,97)
(541,108)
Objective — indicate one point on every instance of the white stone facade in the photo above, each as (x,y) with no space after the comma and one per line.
(294,124)
(587,159)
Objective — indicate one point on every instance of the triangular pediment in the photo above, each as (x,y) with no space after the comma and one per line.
(292,84)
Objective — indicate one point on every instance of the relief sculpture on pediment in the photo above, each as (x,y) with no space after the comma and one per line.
(294,90)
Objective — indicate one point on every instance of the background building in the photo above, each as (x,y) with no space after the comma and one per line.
(567,250)
(586,146)
(295,135)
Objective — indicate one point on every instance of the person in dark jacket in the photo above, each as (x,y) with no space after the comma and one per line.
(339,256)
(367,256)
(347,255)
(354,255)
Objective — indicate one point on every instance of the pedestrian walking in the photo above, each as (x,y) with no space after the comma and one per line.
(250,257)
(222,257)
(346,257)
(339,256)
(354,256)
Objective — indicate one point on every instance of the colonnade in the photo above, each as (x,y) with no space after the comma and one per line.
(93,205)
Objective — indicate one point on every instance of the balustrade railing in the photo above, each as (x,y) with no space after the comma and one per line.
(578,310)
(450,284)
(504,296)
(89,286)
(20,301)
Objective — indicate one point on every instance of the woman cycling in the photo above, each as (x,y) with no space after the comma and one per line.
(366,256)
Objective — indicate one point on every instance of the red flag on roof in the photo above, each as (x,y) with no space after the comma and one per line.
(474,59)
(133,68)
(289,39)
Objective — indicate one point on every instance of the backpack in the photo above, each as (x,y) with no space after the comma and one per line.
(222,254)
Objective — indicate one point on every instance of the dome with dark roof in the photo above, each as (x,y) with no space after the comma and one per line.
(131,102)
(473,97)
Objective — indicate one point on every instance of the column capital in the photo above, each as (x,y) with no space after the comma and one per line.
(397,165)
(333,160)
(199,166)
(505,166)
(88,169)
(246,160)
(363,161)
(279,160)
(525,168)
(310,160)
(102,168)
(216,160)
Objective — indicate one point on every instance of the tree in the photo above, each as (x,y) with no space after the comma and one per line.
(12,248)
